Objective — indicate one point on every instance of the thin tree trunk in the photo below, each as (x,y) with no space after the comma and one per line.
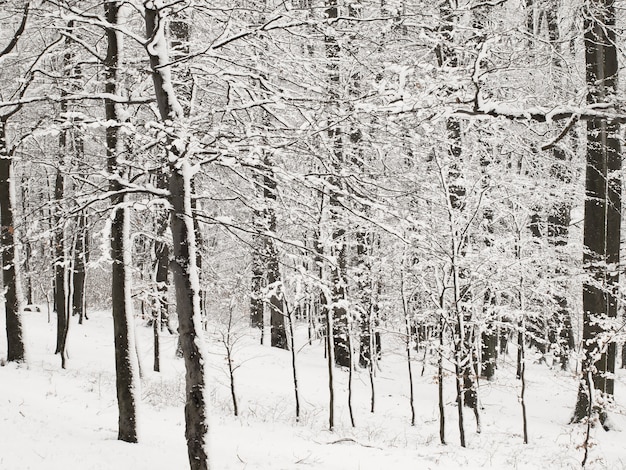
(331,364)
(407,330)
(292,348)
(161,258)
(26,243)
(350,370)
(442,414)
(521,364)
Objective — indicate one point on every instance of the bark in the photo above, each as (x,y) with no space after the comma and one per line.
(184,262)
(455,192)
(601,231)
(489,340)
(257,305)
(409,336)
(442,414)
(189,320)
(278,334)
(10,263)
(126,368)
(292,348)
(559,219)
(59,261)
(331,364)
(338,269)
(27,244)
(266,268)
(162,258)
(80,273)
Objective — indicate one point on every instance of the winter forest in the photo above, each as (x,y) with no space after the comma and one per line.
(312,234)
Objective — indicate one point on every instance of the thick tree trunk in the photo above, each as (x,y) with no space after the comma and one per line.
(265,266)
(184,262)
(126,367)
(602,211)
(10,264)
(59,264)
(162,259)
(278,335)
(184,271)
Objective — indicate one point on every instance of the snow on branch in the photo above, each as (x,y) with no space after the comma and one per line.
(77,97)
(601,111)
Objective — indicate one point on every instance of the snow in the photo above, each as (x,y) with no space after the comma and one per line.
(52,418)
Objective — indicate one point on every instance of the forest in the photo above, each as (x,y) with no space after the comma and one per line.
(303,221)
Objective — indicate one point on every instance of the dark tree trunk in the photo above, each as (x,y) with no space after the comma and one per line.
(10,265)
(80,261)
(602,210)
(59,261)
(27,244)
(257,305)
(338,270)
(278,334)
(127,379)
(188,307)
(266,268)
(530,21)
(464,347)
(559,219)
(184,262)
(489,341)
(162,259)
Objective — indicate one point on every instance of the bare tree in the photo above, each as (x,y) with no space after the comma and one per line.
(602,212)
(10,262)
(184,264)
(126,367)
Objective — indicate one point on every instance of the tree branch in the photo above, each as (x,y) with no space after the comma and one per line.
(600,111)
(18,33)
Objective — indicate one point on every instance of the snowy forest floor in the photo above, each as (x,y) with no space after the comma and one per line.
(64,419)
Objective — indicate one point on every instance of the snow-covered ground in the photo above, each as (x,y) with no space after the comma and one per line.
(67,419)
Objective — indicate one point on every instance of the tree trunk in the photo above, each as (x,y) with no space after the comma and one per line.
(10,264)
(337,273)
(28,295)
(185,275)
(80,261)
(257,306)
(162,258)
(184,262)
(602,210)
(265,267)
(278,334)
(59,259)
(126,367)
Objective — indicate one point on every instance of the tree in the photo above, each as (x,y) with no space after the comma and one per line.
(336,300)
(602,212)
(10,262)
(126,367)
(183,266)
